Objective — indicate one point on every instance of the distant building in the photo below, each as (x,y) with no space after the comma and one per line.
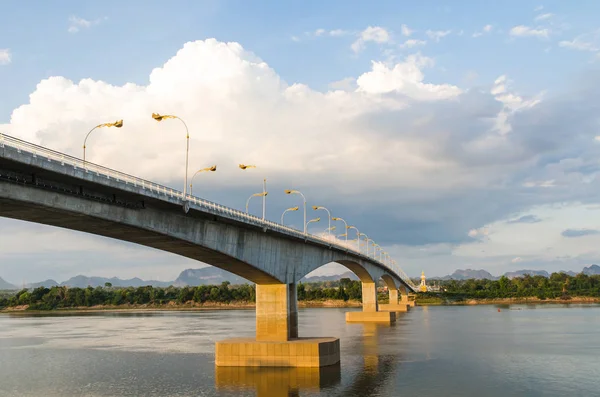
(423,286)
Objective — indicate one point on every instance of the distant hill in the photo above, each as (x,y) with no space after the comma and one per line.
(47,283)
(206,276)
(6,284)
(521,273)
(592,270)
(460,274)
(84,281)
(335,277)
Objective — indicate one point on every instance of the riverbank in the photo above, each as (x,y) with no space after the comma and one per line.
(189,306)
(506,301)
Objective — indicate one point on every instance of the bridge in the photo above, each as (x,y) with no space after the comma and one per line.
(52,188)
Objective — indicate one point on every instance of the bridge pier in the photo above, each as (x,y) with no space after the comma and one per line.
(370,311)
(394,305)
(277,343)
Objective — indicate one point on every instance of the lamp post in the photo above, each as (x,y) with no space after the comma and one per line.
(330,229)
(159,117)
(335,218)
(264,193)
(207,169)
(318,207)
(289,209)
(288,191)
(366,242)
(117,124)
(357,236)
(311,221)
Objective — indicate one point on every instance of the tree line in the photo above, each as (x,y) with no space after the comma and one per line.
(557,286)
(43,298)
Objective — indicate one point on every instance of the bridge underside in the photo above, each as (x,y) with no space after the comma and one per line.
(69,220)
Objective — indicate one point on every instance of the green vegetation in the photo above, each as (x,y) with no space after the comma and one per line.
(63,297)
(558,286)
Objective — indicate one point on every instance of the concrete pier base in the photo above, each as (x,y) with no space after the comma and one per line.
(274,382)
(298,352)
(394,308)
(371,317)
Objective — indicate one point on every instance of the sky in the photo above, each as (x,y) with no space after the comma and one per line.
(455,134)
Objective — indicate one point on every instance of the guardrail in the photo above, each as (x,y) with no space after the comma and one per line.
(194,201)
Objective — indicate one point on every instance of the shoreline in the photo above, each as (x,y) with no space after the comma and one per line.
(172,306)
(331,303)
(513,301)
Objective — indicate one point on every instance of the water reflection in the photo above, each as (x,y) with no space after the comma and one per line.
(377,367)
(275,382)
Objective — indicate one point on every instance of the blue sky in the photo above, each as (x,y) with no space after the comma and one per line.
(473,113)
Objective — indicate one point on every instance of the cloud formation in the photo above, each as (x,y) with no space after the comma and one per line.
(525,219)
(375,34)
(76,23)
(526,31)
(409,161)
(5,56)
(573,233)
(437,35)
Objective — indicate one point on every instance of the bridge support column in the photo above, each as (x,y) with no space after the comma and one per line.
(370,311)
(394,305)
(277,343)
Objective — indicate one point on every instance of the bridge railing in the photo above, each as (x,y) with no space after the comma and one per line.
(194,201)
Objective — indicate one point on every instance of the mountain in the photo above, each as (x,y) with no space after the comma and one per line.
(521,273)
(48,284)
(6,285)
(206,276)
(460,274)
(592,270)
(569,273)
(84,281)
(335,277)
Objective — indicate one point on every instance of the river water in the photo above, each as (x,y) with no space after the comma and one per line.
(523,350)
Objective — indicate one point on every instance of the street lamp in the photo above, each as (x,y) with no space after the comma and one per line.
(263,194)
(335,218)
(318,207)
(366,241)
(330,229)
(207,169)
(357,235)
(289,209)
(311,221)
(159,117)
(288,191)
(117,124)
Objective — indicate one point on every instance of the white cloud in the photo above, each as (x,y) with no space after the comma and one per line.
(406,78)
(77,23)
(296,39)
(538,8)
(339,32)
(517,260)
(545,184)
(375,34)
(319,32)
(584,42)
(406,31)
(543,17)
(486,29)
(526,31)
(411,43)
(437,35)
(597,138)
(5,56)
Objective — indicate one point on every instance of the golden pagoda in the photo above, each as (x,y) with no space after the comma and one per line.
(423,286)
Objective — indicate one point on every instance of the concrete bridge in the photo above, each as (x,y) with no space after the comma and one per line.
(47,187)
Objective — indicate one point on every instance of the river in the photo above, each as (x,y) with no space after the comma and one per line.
(521,350)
